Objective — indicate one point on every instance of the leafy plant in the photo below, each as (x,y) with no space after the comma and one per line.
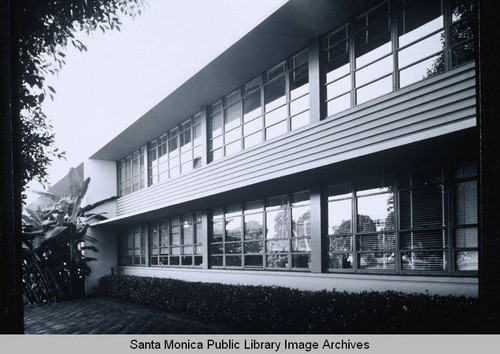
(55,265)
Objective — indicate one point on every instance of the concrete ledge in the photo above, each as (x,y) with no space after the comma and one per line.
(438,285)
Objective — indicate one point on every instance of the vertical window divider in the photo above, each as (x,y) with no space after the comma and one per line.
(264,220)
(354,201)
(449,188)
(352,63)
(316,81)
(289,229)
(204,135)
(446,11)
(318,220)
(146,246)
(288,94)
(394,11)
(397,252)
(262,104)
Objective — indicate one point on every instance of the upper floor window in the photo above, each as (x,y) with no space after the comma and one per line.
(268,106)
(176,152)
(390,48)
(131,174)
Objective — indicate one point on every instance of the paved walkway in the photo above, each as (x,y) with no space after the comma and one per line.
(111,316)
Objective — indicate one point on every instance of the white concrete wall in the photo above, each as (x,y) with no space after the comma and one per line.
(103,184)
(106,257)
(457,286)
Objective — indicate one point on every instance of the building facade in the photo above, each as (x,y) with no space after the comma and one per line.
(333,146)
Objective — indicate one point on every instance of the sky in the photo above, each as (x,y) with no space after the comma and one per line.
(124,74)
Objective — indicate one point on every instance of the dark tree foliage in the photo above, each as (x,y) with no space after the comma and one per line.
(46,29)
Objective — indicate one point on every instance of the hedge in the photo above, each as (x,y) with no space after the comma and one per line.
(272,309)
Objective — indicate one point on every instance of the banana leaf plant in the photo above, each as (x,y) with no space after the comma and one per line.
(54,245)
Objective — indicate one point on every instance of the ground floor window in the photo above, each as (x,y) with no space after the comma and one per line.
(176,241)
(401,223)
(273,234)
(132,246)
(419,221)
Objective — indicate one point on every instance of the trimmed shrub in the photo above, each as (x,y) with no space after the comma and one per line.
(272,309)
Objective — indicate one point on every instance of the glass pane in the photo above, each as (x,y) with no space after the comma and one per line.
(274,94)
(427,207)
(215,125)
(338,87)
(276,130)
(254,228)
(277,246)
(339,104)
(216,248)
(466,260)
(253,139)
(300,105)
(216,261)
(232,116)
(339,217)
(376,261)
(301,261)
(337,72)
(466,203)
(276,224)
(252,127)
(340,261)
(301,120)
(233,147)
(376,242)
(276,116)
(466,237)
(301,245)
(375,213)
(232,135)
(233,247)
(233,229)
(301,221)
(423,240)
(421,71)
(340,243)
(419,18)
(233,261)
(374,71)
(374,90)
(425,261)
(252,106)
(254,261)
(217,230)
(422,49)
(277,261)
(254,247)
(381,47)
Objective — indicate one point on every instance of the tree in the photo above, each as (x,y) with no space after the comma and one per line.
(44,31)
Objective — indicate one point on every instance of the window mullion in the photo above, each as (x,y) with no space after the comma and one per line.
(395,43)
(352,64)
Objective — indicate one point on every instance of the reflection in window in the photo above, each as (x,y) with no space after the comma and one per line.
(363,62)
(176,241)
(275,233)
(422,221)
(466,230)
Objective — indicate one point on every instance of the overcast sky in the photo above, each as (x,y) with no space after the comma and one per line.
(124,74)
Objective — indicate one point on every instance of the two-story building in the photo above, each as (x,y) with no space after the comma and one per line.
(333,146)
